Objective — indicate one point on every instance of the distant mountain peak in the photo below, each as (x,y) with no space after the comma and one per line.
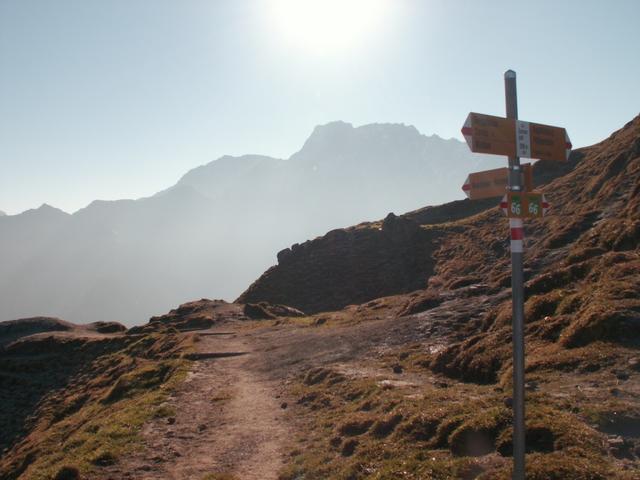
(226,162)
(339,131)
(388,127)
(2,214)
(45,210)
(385,143)
(332,127)
(221,176)
(46,206)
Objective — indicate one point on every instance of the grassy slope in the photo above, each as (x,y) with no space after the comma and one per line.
(423,426)
(97,414)
(583,325)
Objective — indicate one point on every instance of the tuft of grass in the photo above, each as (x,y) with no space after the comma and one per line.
(164,411)
(476,435)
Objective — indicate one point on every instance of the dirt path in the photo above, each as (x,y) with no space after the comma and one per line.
(227,419)
(227,416)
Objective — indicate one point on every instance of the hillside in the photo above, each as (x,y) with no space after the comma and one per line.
(218,228)
(582,309)
(90,386)
(581,262)
(401,368)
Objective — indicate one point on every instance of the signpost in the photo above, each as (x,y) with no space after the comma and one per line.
(514,138)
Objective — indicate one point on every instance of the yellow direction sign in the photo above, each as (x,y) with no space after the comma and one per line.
(545,142)
(524,205)
(489,134)
(515,138)
(487,184)
(493,183)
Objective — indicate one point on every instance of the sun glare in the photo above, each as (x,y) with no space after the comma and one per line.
(327,26)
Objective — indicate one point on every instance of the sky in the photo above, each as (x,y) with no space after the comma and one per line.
(118,99)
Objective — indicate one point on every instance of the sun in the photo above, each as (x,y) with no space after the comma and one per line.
(327,26)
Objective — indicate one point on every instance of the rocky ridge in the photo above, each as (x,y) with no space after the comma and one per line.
(376,259)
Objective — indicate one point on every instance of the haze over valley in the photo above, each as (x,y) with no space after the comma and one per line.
(219,227)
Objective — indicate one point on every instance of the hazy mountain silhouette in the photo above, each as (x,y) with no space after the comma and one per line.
(221,225)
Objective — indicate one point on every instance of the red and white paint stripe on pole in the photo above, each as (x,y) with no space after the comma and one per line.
(504,205)
(517,234)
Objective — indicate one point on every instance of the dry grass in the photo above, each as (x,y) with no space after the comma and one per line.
(359,428)
(98,415)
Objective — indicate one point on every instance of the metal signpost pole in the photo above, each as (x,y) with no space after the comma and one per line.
(517,288)
(514,138)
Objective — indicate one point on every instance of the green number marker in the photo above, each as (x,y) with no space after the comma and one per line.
(516,205)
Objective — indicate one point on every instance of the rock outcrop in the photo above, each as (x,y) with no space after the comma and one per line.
(199,314)
(349,266)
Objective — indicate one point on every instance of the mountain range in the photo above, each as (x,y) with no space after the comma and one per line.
(217,228)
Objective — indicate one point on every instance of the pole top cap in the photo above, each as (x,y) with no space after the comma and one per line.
(509,74)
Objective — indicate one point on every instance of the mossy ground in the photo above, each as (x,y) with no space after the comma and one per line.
(119,392)
(359,427)
(454,422)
